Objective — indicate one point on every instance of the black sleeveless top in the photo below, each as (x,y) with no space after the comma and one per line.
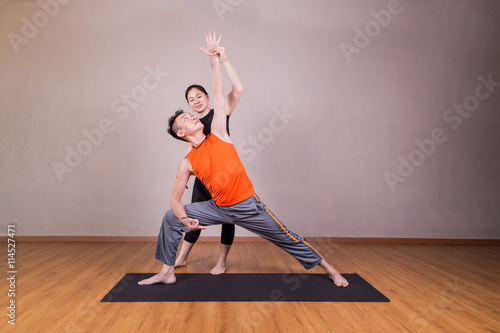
(207,122)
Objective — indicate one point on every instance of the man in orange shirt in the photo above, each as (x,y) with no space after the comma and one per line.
(215,162)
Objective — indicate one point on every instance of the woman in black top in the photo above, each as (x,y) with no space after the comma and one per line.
(197,98)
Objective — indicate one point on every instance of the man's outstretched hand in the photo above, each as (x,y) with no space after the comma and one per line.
(192,224)
(212,44)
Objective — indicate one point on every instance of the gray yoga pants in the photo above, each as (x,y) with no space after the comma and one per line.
(251,214)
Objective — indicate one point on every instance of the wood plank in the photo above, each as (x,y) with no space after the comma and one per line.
(449,241)
(433,288)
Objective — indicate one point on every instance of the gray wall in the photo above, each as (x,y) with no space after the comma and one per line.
(359,119)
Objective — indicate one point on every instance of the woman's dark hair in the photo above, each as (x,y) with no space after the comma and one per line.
(172,126)
(197,86)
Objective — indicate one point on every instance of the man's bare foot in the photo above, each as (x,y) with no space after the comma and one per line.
(158,278)
(338,280)
(179,262)
(219,269)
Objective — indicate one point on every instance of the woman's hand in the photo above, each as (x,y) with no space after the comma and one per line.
(212,44)
(222,53)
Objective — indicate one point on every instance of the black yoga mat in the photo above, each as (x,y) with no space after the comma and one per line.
(244,287)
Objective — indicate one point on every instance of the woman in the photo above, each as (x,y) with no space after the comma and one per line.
(197,98)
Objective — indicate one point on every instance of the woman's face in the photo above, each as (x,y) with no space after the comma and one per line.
(197,100)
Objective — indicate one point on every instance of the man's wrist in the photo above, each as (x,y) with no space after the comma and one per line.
(182,218)
(215,59)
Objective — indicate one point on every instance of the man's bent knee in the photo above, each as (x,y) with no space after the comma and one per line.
(170,218)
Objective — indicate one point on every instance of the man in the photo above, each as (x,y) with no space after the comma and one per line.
(215,162)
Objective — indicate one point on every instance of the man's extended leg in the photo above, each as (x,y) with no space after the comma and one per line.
(253,215)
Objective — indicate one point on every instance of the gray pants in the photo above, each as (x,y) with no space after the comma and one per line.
(250,214)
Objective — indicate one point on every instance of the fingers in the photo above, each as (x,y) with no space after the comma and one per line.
(207,52)
(194,224)
(198,226)
(210,53)
(212,43)
(209,37)
(213,38)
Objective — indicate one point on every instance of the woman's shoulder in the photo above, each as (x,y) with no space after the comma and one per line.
(208,117)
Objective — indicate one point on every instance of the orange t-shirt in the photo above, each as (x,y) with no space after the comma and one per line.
(216,163)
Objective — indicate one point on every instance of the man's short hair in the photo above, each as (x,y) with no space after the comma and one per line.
(173,127)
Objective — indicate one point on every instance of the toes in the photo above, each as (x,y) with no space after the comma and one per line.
(142,282)
(218,271)
(343,284)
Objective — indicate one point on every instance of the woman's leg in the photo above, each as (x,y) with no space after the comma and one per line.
(200,193)
(189,239)
(226,239)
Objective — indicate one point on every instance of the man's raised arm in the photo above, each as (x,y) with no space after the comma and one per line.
(219,121)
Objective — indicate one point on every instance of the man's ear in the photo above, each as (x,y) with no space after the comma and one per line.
(180,133)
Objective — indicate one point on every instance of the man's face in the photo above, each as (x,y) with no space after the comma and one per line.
(188,124)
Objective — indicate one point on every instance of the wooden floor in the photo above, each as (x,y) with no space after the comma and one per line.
(433,288)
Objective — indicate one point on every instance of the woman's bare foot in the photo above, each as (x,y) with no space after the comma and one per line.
(219,269)
(179,262)
(166,276)
(183,254)
(220,266)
